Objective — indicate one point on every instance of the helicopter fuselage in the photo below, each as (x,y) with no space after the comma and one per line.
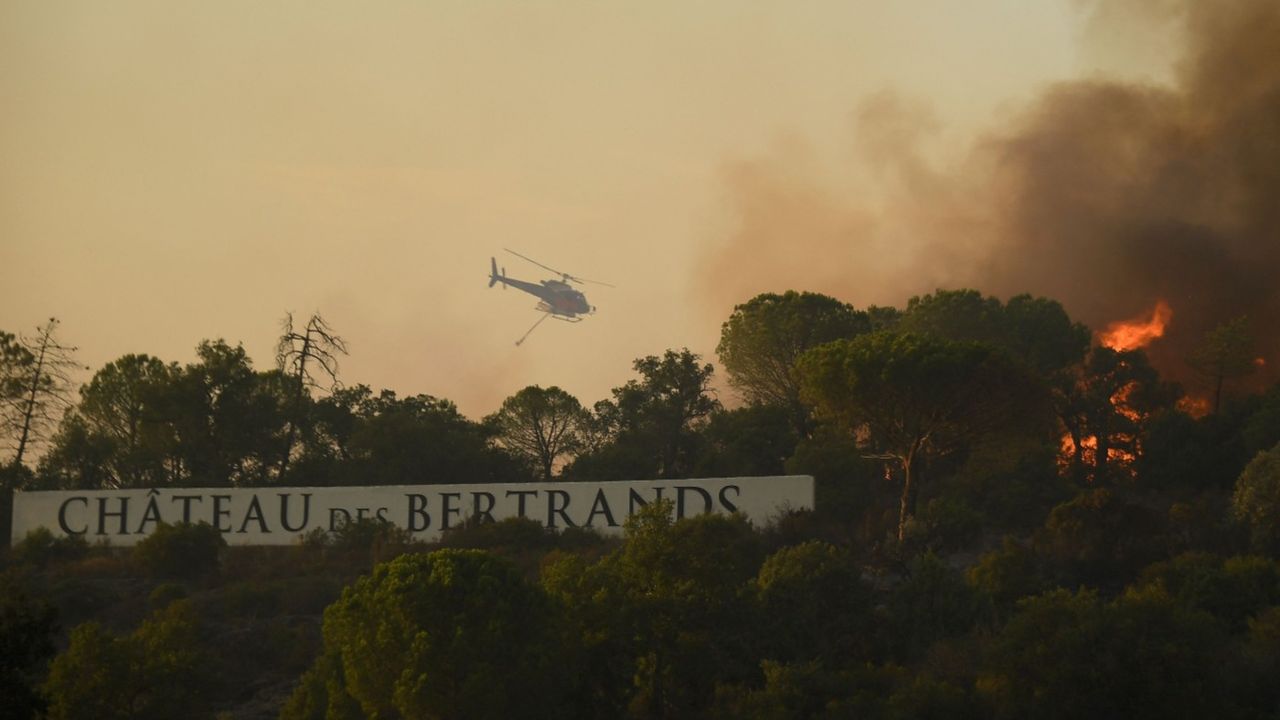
(557,296)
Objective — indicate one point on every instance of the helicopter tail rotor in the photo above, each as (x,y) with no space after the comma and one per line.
(494,277)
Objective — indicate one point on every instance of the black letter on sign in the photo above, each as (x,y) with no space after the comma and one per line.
(62,515)
(601,507)
(254,513)
(333,518)
(737,492)
(482,514)
(284,512)
(634,498)
(151,514)
(186,505)
(103,515)
(219,513)
(522,494)
(706,499)
(447,508)
(553,510)
(419,520)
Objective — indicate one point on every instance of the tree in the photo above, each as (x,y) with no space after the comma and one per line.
(653,423)
(158,671)
(913,399)
(35,385)
(181,550)
(666,617)
(1226,352)
(298,354)
(752,440)
(452,633)
(1068,655)
(1035,331)
(120,433)
(540,426)
(1106,409)
(764,337)
(26,644)
(1099,538)
(1256,500)
(817,606)
(386,440)
(227,418)
(16,364)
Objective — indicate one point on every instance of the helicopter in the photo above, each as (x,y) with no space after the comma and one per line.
(556,298)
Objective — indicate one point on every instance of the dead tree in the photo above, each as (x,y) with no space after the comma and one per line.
(42,384)
(302,357)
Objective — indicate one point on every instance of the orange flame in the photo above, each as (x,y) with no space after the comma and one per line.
(1138,332)
(1195,406)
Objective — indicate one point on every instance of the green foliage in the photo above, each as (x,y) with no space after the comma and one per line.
(809,690)
(180,550)
(949,524)
(764,337)
(516,533)
(27,626)
(1256,501)
(746,441)
(814,605)
(1226,352)
(1036,331)
(447,634)
(1099,538)
(1068,655)
(1186,455)
(917,398)
(322,694)
(932,603)
(165,594)
(541,426)
(40,548)
(388,440)
(1007,575)
(653,424)
(1261,429)
(666,616)
(362,541)
(158,671)
(1231,590)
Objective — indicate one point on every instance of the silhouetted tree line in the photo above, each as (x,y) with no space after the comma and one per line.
(1011,522)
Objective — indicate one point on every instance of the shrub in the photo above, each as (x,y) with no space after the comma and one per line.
(165,594)
(40,548)
(180,550)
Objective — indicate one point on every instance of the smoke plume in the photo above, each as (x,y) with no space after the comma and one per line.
(1106,195)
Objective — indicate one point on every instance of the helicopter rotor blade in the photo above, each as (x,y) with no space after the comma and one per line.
(564,275)
(593,282)
(535,262)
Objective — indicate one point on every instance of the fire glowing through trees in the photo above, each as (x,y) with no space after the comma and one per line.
(1139,332)
(1084,451)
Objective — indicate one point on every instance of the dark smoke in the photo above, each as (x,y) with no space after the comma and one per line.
(1105,195)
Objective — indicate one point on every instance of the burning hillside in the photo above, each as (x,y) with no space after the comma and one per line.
(1102,194)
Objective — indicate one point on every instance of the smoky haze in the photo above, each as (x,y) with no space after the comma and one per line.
(1106,194)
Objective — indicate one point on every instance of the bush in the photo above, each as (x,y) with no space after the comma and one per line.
(180,550)
(367,540)
(1256,501)
(40,548)
(166,594)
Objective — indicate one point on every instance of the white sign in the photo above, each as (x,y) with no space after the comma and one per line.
(277,516)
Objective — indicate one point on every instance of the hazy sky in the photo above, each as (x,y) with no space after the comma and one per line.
(175,171)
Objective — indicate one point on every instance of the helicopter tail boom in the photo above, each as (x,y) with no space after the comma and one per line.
(493,273)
